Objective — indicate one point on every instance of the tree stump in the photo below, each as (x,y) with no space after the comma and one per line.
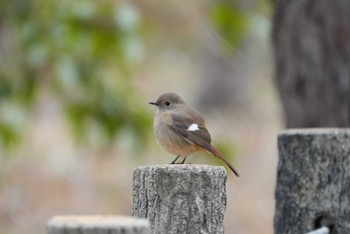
(180,198)
(313,181)
(76,224)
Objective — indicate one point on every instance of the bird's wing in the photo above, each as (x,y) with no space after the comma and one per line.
(193,132)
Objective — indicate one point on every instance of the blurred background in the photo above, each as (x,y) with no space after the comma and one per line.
(75,81)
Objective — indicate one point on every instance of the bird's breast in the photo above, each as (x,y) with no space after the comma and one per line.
(169,140)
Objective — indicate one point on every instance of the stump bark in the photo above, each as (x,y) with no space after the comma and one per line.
(76,224)
(180,198)
(313,181)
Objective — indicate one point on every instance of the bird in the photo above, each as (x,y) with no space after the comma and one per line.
(181,130)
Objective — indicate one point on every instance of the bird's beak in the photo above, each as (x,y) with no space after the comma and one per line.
(154,103)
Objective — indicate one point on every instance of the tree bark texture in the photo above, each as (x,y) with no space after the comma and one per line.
(97,224)
(313,181)
(180,198)
(312,56)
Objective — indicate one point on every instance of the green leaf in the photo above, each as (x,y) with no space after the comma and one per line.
(230,22)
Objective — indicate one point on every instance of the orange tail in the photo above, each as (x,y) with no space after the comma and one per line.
(215,152)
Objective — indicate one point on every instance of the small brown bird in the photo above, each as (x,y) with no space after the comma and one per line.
(181,130)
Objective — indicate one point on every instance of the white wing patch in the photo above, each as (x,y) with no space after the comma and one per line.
(193,127)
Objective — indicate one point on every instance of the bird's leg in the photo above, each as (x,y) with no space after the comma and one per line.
(183,161)
(173,162)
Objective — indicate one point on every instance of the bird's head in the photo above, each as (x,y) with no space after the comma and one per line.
(168,101)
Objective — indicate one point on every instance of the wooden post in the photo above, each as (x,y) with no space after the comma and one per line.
(313,181)
(75,224)
(181,198)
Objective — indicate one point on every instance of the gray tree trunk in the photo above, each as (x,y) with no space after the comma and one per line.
(181,198)
(313,181)
(312,56)
(96,224)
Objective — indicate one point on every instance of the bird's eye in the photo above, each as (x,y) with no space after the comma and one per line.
(167,103)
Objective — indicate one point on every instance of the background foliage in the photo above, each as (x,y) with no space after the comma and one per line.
(82,53)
